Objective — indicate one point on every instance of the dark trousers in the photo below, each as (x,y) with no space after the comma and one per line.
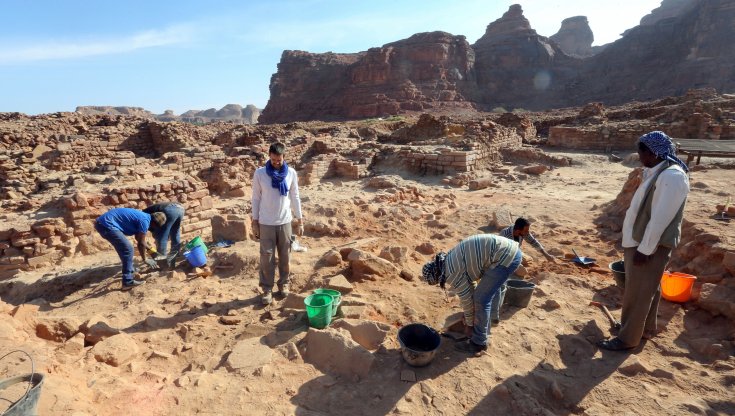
(274,238)
(172,229)
(122,246)
(642,295)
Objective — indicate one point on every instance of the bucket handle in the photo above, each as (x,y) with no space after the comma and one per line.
(33,372)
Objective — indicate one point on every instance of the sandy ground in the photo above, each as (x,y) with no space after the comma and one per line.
(182,330)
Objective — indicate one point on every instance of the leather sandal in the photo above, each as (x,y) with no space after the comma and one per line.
(613,344)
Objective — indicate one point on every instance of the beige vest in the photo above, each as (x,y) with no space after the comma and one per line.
(671,235)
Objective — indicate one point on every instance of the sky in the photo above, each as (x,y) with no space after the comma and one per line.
(185,55)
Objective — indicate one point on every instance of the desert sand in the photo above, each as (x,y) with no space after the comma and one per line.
(187,344)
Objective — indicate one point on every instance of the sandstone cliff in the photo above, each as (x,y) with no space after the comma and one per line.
(575,37)
(424,71)
(230,112)
(681,45)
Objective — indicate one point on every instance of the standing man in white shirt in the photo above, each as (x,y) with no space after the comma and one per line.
(651,229)
(275,193)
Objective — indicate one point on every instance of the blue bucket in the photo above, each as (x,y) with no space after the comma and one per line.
(196,256)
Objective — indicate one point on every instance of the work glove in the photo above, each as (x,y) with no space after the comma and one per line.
(300,229)
(256,229)
(151,263)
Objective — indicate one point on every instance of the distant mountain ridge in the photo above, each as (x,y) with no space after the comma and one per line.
(680,45)
(231,112)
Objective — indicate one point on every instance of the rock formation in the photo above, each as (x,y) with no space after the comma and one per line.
(667,9)
(230,112)
(424,71)
(518,68)
(575,37)
(684,43)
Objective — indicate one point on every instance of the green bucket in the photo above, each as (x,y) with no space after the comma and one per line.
(336,298)
(319,310)
(196,241)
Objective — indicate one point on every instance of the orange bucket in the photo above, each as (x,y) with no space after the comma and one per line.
(677,287)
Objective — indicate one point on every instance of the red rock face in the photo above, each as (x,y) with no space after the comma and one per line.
(684,44)
(423,71)
(575,37)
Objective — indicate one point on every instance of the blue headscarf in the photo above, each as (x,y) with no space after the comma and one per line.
(278,177)
(661,145)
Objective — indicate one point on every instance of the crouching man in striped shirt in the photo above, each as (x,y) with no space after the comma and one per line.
(486,259)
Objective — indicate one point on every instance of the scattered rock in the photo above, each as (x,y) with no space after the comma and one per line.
(394,254)
(717,299)
(182,381)
(230,320)
(408,275)
(369,334)
(334,352)
(115,350)
(408,375)
(98,332)
(426,248)
(354,312)
(535,169)
(551,305)
(366,266)
(632,366)
(248,355)
(340,283)
(57,329)
(331,258)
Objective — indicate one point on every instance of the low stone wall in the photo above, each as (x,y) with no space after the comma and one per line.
(51,240)
(445,161)
(603,138)
(324,167)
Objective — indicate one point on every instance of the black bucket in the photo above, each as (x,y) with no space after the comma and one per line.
(418,344)
(519,293)
(618,270)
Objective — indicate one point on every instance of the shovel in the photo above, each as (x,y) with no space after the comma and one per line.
(584,261)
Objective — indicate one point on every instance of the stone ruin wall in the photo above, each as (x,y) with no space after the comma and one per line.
(326,162)
(690,117)
(489,140)
(71,178)
(48,241)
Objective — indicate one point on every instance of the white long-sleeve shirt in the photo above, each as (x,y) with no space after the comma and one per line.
(672,188)
(269,206)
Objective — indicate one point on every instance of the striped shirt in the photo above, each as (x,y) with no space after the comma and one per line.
(507,232)
(470,259)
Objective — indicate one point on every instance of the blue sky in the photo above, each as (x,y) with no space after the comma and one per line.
(193,55)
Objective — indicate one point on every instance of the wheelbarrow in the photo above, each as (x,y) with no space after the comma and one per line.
(584,261)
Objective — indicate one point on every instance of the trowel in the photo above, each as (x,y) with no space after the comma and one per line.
(584,261)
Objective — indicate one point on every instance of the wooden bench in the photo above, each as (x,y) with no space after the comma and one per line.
(700,147)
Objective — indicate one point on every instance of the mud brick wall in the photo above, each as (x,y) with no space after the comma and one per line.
(439,163)
(331,167)
(597,138)
(191,193)
(314,171)
(51,240)
(348,169)
(193,160)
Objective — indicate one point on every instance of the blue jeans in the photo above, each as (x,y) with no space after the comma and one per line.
(172,228)
(122,246)
(487,288)
(497,302)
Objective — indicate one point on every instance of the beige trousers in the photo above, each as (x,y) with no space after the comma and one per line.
(274,239)
(642,295)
